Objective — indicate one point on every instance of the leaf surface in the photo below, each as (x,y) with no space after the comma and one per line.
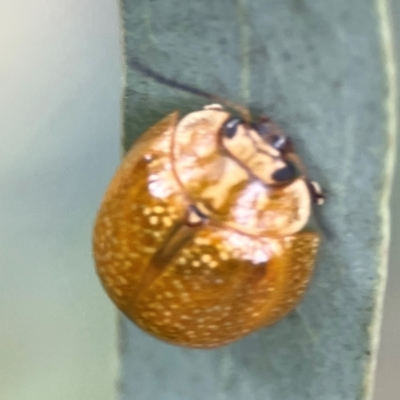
(317,69)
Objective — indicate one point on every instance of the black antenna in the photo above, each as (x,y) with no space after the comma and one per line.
(145,70)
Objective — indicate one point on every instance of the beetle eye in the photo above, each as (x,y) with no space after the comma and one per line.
(272,135)
(286,173)
(278,142)
(230,127)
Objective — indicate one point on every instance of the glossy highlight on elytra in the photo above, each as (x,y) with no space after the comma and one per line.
(200,238)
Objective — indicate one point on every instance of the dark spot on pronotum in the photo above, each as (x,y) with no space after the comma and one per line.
(287,173)
(230,127)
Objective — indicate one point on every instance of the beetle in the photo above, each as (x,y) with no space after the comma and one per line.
(200,238)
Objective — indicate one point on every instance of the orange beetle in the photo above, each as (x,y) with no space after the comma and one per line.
(199,239)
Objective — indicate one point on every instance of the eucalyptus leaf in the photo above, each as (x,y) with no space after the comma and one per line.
(318,68)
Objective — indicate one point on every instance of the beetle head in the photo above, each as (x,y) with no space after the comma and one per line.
(263,150)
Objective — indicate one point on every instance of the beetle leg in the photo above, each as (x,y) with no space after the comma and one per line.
(316,192)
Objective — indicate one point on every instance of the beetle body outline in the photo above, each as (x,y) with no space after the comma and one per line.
(196,241)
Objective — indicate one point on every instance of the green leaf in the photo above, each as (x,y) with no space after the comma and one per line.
(322,71)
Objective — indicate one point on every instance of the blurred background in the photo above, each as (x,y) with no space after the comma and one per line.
(60,82)
(60,127)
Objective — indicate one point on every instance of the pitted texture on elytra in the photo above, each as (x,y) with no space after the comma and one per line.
(207,297)
(132,223)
